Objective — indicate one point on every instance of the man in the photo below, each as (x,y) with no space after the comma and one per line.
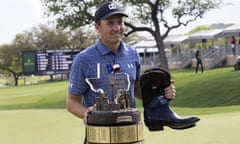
(93,61)
(199,61)
(233,45)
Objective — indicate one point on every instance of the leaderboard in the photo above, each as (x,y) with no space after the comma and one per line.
(49,61)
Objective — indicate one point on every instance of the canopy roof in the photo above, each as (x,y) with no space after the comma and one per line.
(204,35)
(233,30)
(200,36)
(175,40)
(145,44)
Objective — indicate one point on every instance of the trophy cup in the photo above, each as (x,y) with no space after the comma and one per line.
(113,121)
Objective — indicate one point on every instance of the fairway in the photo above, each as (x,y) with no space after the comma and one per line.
(57,126)
(36,114)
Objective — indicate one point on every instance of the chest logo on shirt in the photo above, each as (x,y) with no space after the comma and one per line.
(130,66)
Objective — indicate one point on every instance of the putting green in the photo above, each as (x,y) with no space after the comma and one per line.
(57,126)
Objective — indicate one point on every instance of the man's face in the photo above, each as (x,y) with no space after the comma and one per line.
(111,29)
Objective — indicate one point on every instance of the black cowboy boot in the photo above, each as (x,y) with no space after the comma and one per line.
(157,112)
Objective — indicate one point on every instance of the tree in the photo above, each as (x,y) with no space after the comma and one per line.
(49,38)
(152,14)
(58,38)
(11,55)
(38,38)
(41,37)
(80,38)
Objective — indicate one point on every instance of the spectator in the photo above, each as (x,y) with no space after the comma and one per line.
(199,61)
(233,45)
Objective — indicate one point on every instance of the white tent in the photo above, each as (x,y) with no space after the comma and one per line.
(233,30)
(150,45)
(175,40)
(146,46)
(204,35)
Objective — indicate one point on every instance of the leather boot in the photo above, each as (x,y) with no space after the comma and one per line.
(157,112)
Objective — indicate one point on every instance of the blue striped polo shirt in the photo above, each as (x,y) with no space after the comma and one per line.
(92,63)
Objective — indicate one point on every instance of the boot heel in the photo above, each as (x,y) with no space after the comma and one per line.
(153,125)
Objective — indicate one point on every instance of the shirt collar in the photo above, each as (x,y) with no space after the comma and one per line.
(104,50)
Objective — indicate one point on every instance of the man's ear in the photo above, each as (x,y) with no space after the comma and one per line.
(97,26)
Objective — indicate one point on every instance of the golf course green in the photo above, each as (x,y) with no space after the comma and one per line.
(36,114)
(57,126)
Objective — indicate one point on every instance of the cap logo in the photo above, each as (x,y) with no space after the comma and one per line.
(112,6)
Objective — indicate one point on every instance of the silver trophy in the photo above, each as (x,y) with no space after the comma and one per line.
(119,83)
(113,120)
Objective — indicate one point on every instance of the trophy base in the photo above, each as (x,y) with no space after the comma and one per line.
(115,127)
(117,117)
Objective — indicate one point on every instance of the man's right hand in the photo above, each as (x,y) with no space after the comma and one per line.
(89,109)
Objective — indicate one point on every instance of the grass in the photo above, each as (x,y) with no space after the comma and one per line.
(24,80)
(216,87)
(213,88)
(57,126)
(36,113)
(48,95)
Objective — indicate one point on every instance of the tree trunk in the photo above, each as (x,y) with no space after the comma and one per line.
(15,81)
(14,74)
(51,77)
(16,78)
(161,50)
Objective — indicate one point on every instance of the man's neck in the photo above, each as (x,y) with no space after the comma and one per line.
(114,47)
